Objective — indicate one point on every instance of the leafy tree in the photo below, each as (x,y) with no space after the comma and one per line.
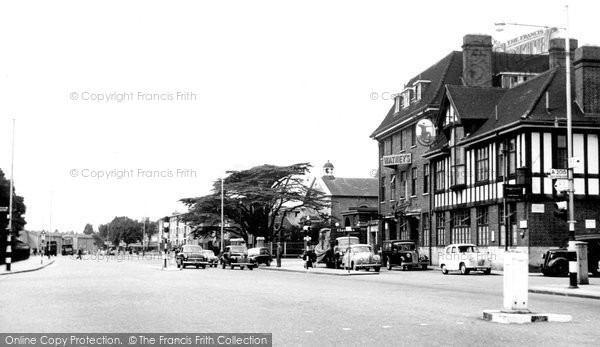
(18,221)
(257,199)
(89,229)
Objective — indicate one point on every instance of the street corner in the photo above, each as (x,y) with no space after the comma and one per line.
(28,265)
(506,317)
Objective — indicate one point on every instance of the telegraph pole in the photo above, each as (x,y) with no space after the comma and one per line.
(222,214)
(10,205)
(573,268)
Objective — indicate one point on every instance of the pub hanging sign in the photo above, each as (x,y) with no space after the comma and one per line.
(397,159)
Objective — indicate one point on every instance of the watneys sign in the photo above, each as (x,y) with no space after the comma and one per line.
(397,159)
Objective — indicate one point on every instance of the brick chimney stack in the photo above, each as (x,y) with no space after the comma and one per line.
(557,54)
(587,79)
(477,60)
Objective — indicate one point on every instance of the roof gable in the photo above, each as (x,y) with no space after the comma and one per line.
(356,187)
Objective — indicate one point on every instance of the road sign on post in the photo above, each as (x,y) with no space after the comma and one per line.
(561,185)
(558,174)
(3,209)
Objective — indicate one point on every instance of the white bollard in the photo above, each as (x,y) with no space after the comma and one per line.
(516,272)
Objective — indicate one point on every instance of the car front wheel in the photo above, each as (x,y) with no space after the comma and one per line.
(444,270)
(376,268)
(463,269)
(354,267)
(487,271)
(388,263)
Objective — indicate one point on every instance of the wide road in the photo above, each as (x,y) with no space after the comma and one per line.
(392,308)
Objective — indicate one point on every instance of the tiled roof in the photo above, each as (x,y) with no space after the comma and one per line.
(474,102)
(527,103)
(363,187)
(447,70)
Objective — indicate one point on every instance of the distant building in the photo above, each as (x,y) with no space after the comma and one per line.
(353,202)
(83,241)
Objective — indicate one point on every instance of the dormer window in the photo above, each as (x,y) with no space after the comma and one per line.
(513,79)
(419,87)
(397,101)
(406,96)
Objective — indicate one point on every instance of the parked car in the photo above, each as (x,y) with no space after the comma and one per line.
(212,259)
(404,254)
(361,256)
(555,262)
(191,255)
(464,257)
(341,245)
(260,255)
(20,250)
(237,255)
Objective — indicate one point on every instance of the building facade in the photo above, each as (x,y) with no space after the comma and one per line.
(500,121)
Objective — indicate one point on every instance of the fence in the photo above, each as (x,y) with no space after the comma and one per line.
(289,249)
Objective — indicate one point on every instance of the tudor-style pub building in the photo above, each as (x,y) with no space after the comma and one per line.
(500,121)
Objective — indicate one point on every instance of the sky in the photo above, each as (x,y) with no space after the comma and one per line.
(123,108)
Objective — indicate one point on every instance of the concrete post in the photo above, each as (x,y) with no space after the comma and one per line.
(516,272)
(582,262)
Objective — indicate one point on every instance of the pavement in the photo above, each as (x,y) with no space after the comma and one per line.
(33,263)
(538,283)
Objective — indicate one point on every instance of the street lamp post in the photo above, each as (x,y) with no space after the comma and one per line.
(222,215)
(165,233)
(573,266)
(8,259)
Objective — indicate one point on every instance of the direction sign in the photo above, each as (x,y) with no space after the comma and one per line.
(558,174)
(3,209)
(574,162)
(561,185)
(515,191)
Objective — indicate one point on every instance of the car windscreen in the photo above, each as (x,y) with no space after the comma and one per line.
(343,241)
(360,249)
(191,248)
(208,253)
(468,249)
(405,246)
(254,251)
(237,249)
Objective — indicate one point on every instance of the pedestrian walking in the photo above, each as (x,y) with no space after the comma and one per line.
(79,253)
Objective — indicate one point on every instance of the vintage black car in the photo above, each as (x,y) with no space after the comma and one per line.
(191,255)
(556,262)
(237,256)
(260,255)
(404,254)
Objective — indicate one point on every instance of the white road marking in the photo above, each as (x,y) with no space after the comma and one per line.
(308,331)
(460,323)
(347,329)
(386,326)
(423,324)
